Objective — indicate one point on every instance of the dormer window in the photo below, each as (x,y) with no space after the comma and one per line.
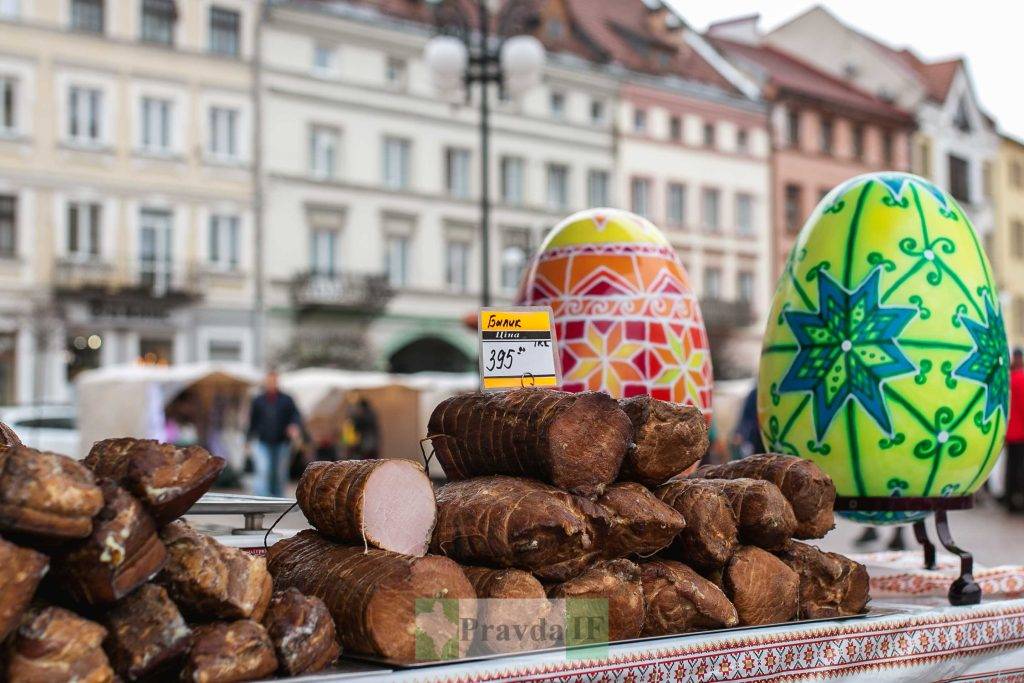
(962,120)
(555,29)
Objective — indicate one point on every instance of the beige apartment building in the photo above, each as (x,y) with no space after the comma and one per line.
(126,203)
(1007,249)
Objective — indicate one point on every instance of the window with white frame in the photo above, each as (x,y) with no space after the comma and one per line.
(675,204)
(84,230)
(556,103)
(675,128)
(640,120)
(515,253)
(744,213)
(713,283)
(323,151)
(224,351)
(745,286)
(640,196)
(396,260)
(456,172)
(323,252)
(597,111)
(87,16)
(224,132)
(155,249)
(224,241)
(10,9)
(512,180)
(597,188)
(224,31)
(8,105)
(85,111)
(396,163)
(742,140)
(456,265)
(155,122)
(396,73)
(558,186)
(711,205)
(158,18)
(323,58)
(8,225)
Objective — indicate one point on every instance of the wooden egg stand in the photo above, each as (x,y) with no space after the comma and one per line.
(964,590)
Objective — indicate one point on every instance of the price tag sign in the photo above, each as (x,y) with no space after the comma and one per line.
(517,348)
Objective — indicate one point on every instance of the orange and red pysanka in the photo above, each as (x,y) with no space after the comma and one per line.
(626,318)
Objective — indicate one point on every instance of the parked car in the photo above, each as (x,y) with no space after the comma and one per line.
(48,427)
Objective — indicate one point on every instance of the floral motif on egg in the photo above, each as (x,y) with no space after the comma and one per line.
(627,320)
(885,360)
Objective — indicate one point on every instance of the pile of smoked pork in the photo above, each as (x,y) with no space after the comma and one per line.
(557,495)
(100,580)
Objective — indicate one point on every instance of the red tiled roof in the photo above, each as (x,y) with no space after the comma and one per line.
(786,72)
(936,77)
(622,28)
(603,31)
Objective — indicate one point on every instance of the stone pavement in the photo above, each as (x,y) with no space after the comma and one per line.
(991,534)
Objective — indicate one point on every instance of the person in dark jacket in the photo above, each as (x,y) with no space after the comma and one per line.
(274,423)
(364,421)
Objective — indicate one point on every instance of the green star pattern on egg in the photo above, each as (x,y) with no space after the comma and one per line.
(885,358)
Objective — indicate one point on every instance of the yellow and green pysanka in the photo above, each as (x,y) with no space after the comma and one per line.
(885,358)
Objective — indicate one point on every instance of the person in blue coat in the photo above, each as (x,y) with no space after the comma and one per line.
(274,424)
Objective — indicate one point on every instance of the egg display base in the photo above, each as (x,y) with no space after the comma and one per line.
(964,590)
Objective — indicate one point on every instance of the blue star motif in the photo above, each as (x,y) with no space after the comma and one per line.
(847,349)
(988,363)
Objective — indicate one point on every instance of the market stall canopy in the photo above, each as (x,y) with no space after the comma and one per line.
(129,400)
(402,403)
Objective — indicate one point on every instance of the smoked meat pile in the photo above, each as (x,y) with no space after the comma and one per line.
(99,580)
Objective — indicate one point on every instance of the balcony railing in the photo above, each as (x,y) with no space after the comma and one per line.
(354,292)
(91,278)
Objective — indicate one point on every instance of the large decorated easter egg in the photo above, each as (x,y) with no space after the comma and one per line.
(626,317)
(885,358)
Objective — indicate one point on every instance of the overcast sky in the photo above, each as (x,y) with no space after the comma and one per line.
(989,33)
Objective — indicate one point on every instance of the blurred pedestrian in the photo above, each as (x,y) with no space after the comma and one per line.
(746,438)
(367,431)
(1014,485)
(274,425)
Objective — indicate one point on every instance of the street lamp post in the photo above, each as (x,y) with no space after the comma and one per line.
(464,55)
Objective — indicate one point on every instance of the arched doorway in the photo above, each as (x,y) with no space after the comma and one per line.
(429,354)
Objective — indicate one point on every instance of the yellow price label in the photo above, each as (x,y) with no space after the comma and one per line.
(518,348)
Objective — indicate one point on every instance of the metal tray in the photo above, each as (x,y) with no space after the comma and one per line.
(874,612)
(239,504)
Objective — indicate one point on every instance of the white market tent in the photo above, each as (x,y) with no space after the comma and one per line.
(403,403)
(129,400)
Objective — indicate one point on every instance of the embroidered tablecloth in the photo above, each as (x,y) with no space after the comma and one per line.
(985,642)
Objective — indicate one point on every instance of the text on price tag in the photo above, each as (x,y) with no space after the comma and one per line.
(517,348)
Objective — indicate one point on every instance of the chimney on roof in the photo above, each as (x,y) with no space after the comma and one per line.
(743,29)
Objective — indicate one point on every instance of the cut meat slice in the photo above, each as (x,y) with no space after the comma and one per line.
(388,504)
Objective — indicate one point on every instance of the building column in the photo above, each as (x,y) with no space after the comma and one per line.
(25,359)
